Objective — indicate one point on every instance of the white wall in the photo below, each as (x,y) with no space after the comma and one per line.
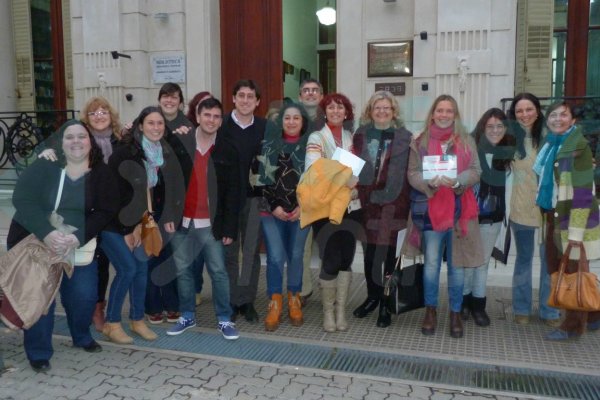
(8,100)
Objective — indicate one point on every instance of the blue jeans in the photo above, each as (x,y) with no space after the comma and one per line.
(476,278)
(131,276)
(284,241)
(434,244)
(78,295)
(190,243)
(198,271)
(522,275)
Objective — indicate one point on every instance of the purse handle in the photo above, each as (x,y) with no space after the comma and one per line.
(60,189)
(149,202)
(580,266)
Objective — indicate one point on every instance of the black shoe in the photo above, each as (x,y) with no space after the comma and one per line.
(40,365)
(385,318)
(366,307)
(235,310)
(304,299)
(93,347)
(478,311)
(249,313)
(465,309)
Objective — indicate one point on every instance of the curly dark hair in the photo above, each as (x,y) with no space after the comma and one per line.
(95,155)
(339,99)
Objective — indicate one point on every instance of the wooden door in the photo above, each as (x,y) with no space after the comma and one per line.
(252,48)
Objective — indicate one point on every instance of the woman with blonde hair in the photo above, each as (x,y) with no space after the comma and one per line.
(444,209)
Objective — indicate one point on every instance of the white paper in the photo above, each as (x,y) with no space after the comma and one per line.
(439,165)
(349,160)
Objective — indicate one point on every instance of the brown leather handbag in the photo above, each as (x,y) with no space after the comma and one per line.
(576,291)
(151,238)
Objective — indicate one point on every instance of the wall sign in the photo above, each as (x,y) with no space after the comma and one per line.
(395,88)
(168,68)
(390,58)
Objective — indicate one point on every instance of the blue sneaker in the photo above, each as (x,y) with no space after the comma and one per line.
(182,325)
(228,330)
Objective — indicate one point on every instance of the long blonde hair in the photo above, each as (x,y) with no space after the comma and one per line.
(459,128)
(365,118)
(100,102)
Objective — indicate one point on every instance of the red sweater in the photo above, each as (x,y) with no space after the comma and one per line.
(196,198)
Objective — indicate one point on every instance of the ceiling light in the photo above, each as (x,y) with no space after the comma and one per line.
(326,15)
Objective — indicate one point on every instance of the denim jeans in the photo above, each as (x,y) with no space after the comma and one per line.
(131,276)
(522,275)
(78,295)
(198,271)
(434,244)
(190,243)
(476,278)
(284,241)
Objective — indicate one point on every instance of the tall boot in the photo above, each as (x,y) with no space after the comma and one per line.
(456,325)
(273,317)
(115,333)
(343,286)
(478,311)
(142,329)
(295,309)
(430,321)
(466,307)
(98,317)
(328,294)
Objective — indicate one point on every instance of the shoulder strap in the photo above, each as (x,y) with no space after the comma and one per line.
(60,188)
(149,201)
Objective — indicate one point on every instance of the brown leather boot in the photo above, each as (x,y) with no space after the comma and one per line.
(140,328)
(456,325)
(430,321)
(295,309)
(98,317)
(115,333)
(273,317)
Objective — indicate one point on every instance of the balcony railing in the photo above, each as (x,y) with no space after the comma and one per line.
(22,133)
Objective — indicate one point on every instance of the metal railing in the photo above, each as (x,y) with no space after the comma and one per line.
(21,133)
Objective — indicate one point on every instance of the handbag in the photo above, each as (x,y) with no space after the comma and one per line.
(151,238)
(403,290)
(83,255)
(576,291)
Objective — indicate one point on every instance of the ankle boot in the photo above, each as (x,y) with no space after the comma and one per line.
(142,330)
(98,317)
(430,321)
(273,317)
(343,286)
(456,326)
(295,309)
(478,311)
(385,318)
(115,333)
(328,294)
(465,309)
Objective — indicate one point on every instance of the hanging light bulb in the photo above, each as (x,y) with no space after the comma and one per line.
(326,15)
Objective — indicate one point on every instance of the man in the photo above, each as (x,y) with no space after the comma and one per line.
(205,229)
(311,94)
(244,131)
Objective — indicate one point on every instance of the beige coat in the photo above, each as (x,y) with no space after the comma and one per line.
(467,251)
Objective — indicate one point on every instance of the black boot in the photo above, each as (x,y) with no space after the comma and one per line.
(478,311)
(385,318)
(366,307)
(466,307)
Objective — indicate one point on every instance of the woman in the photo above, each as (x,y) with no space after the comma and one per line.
(450,221)
(338,242)
(144,165)
(524,214)
(103,122)
(284,148)
(565,168)
(87,203)
(383,142)
(495,150)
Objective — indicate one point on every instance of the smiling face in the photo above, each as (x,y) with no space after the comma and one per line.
(245,101)
(526,113)
(310,94)
(153,127)
(292,121)
(99,119)
(444,114)
(494,130)
(382,113)
(170,103)
(560,120)
(209,119)
(76,144)
(335,113)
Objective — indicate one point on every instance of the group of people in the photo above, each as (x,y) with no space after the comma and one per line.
(218,185)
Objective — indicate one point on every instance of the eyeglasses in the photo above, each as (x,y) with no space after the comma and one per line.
(308,90)
(99,113)
(386,108)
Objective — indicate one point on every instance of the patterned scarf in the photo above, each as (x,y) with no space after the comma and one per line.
(102,139)
(154,160)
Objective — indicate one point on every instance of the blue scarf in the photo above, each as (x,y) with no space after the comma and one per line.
(544,167)
(154,160)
